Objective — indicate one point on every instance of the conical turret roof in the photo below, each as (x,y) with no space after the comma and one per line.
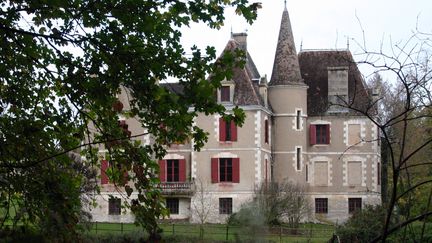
(286,69)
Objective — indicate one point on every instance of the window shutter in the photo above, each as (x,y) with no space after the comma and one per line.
(104,167)
(328,134)
(215,170)
(312,134)
(266,131)
(233,131)
(222,124)
(182,170)
(162,170)
(236,170)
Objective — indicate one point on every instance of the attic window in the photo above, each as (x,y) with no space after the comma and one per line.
(225,94)
(338,89)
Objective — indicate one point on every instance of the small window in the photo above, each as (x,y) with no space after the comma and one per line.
(266,131)
(298,158)
(319,134)
(172,205)
(172,170)
(298,119)
(225,94)
(114,206)
(354,204)
(307,172)
(225,205)
(321,205)
(225,170)
(354,134)
(227,131)
(321,173)
(354,173)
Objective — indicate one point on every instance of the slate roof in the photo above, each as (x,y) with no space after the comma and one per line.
(246,90)
(286,69)
(314,69)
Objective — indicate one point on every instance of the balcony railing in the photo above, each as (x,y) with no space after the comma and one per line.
(177,188)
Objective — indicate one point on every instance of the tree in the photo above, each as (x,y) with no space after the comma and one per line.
(203,204)
(405,123)
(63,63)
(275,203)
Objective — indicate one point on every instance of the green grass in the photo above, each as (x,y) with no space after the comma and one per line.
(217,232)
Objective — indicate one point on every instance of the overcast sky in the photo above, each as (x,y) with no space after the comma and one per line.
(320,24)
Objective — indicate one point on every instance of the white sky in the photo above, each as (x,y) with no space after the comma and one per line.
(319,24)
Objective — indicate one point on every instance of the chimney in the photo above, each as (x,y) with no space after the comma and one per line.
(241,38)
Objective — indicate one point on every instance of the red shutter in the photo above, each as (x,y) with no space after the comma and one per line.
(222,124)
(236,170)
(312,134)
(104,167)
(328,134)
(233,131)
(162,170)
(215,170)
(182,170)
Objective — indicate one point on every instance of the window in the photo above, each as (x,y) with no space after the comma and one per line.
(227,131)
(266,131)
(319,134)
(321,205)
(172,205)
(298,158)
(307,173)
(225,94)
(354,173)
(298,119)
(172,170)
(354,204)
(225,170)
(104,177)
(266,172)
(114,206)
(354,134)
(225,205)
(321,173)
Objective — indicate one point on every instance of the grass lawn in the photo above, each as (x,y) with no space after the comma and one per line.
(218,232)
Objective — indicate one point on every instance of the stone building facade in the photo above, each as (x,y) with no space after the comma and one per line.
(297,128)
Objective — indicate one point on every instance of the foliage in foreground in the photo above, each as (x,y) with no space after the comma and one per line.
(63,65)
(363,226)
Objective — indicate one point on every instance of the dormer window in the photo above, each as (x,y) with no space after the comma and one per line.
(225,93)
(337,89)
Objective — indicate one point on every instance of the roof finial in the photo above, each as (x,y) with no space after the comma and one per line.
(285,4)
(231,32)
(348,42)
(301,45)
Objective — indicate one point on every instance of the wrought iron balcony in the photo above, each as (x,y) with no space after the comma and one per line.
(177,188)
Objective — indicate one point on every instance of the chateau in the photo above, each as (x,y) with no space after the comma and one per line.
(296,129)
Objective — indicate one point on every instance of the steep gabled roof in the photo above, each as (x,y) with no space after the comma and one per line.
(314,69)
(286,69)
(244,93)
